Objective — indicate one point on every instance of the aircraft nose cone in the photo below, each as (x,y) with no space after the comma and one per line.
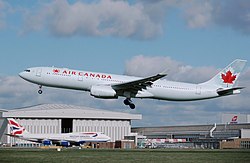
(21,74)
(25,75)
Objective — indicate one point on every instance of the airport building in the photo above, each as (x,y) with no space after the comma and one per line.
(233,132)
(212,136)
(59,118)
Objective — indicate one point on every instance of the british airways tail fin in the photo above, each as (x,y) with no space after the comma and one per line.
(227,77)
(15,128)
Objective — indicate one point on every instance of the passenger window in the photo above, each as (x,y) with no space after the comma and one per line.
(27,70)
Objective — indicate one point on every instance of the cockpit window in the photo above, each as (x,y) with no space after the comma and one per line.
(27,70)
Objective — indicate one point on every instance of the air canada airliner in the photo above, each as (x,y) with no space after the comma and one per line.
(64,139)
(110,86)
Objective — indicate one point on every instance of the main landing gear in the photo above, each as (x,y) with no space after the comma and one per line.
(129,102)
(40,89)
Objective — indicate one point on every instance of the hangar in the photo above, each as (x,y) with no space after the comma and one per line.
(60,118)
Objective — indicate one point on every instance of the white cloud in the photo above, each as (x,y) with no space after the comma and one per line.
(139,19)
(157,113)
(14,93)
(99,18)
(198,14)
(227,13)
(145,65)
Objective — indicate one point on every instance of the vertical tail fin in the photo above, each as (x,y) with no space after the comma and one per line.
(227,77)
(15,128)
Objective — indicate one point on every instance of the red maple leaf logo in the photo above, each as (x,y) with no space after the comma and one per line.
(229,77)
(56,71)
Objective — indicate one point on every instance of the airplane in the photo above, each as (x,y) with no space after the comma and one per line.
(110,86)
(64,139)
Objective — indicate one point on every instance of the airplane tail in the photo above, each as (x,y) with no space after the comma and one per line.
(226,79)
(15,128)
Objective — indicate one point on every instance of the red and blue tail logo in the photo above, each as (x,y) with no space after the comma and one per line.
(15,128)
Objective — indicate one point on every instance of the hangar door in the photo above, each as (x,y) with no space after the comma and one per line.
(67,125)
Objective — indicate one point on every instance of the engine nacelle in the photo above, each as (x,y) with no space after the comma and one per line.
(65,143)
(103,91)
(46,142)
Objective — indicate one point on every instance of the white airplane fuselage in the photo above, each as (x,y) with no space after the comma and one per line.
(69,137)
(84,80)
(103,85)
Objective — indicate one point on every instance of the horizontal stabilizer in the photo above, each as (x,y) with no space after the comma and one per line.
(230,91)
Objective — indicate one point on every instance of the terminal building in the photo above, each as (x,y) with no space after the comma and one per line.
(233,132)
(59,118)
(193,136)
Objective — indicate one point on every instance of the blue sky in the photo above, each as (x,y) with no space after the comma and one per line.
(125,37)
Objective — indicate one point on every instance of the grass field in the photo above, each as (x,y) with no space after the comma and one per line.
(119,155)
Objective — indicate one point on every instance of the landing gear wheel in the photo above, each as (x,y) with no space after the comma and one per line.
(40,91)
(126,102)
(129,102)
(132,106)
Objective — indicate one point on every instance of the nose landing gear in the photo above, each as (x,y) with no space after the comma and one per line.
(129,102)
(40,89)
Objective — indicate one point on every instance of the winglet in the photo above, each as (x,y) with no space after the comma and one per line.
(164,73)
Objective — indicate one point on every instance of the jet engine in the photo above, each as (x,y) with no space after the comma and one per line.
(103,91)
(47,142)
(64,143)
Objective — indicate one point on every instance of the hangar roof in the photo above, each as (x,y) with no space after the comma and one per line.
(67,111)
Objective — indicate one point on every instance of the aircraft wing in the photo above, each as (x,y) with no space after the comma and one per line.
(138,85)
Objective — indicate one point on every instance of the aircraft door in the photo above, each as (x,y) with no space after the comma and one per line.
(198,90)
(39,72)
